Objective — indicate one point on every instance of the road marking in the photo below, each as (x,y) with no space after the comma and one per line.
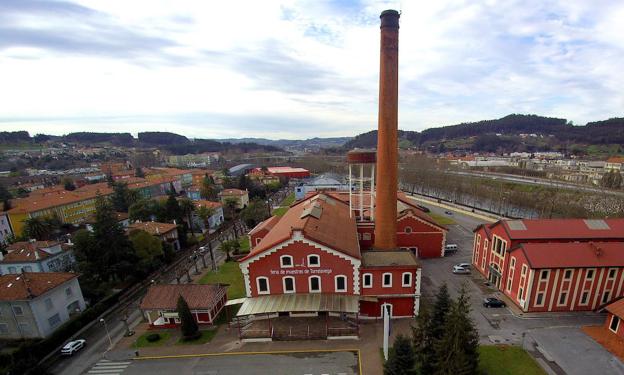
(356,351)
(108,367)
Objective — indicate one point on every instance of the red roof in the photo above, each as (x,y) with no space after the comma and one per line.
(165,296)
(230,192)
(616,159)
(268,224)
(563,228)
(617,308)
(207,204)
(25,251)
(321,219)
(28,285)
(573,254)
(152,227)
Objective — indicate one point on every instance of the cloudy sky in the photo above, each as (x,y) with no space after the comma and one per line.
(296,69)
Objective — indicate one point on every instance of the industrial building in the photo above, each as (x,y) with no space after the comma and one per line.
(553,264)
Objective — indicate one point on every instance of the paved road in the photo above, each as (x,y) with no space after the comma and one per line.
(334,363)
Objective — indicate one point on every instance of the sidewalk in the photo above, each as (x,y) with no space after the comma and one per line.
(450,206)
(226,341)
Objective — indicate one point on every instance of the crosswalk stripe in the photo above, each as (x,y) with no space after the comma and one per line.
(110,367)
(109,372)
(113,364)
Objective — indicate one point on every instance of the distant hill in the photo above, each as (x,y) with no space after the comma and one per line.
(299,144)
(510,133)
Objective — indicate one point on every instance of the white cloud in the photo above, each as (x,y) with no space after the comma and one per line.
(297,69)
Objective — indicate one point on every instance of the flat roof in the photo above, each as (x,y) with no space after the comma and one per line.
(312,302)
(385,258)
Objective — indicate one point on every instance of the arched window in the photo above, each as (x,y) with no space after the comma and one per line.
(314,260)
(286,261)
(367,280)
(289,284)
(341,283)
(262,284)
(314,283)
(366,236)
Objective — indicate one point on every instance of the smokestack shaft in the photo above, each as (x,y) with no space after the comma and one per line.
(387,143)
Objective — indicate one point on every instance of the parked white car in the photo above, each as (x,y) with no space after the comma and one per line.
(463,265)
(460,270)
(73,346)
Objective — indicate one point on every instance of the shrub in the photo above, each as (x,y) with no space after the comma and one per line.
(153,337)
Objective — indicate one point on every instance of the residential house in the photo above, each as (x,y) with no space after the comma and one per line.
(34,305)
(167,232)
(213,221)
(5,228)
(240,196)
(37,256)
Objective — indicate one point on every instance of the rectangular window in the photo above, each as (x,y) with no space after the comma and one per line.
(68,292)
(286,261)
(611,274)
(407,279)
(289,285)
(387,280)
(314,261)
(48,304)
(368,280)
(615,323)
(590,274)
(563,298)
(513,262)
(25,328)
(606,296)
(4,329)
(567,275)
(539,300)
(524,269)
(544,275)
(584,298)
(341,284)
(263,285)
(54,320)
(17,310)
(315,284)
(520,293)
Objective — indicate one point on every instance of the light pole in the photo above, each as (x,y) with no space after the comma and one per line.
(110,341)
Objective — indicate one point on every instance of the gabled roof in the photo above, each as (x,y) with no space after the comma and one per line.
(232,192)
(385,258)
(572,254)
(563,228)
(268,224)
(616,159)
(207,204)
(152,227)
(26,252)
(197,296)
(28,285)
(616,308)
(321,219)
(403,198)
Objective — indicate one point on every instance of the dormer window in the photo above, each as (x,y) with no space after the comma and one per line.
(286,261)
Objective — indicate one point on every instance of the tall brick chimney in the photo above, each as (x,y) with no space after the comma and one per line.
(387,155)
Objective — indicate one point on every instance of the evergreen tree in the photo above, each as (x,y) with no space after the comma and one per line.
(441,308)
(68,184)
(172,209)
(207,189)
(401,358)
(122,197)
(187,207)
(423,349)
(457,351)
(138,172)
(188,324)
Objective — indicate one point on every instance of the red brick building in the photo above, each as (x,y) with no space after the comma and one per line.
(159,306)
(289,172)
(314,248)
(555,264)
(615,316)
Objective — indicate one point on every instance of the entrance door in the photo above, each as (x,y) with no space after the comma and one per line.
(387,306)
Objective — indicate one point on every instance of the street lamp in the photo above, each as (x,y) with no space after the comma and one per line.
(110,341)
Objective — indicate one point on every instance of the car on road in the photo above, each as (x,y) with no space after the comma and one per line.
(450,249)
(73,346)
(460,270)
(463,265)
(448,212)
(493,302)
(423,208)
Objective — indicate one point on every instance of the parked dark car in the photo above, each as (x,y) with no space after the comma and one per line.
(493,302)
(423,208)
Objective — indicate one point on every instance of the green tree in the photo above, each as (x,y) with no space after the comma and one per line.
(188,325)
(68,184)
(441,308)
(138,172)
(256,211)
(423,349)
(226,247)
(230,207)
(401,358)
(122,197)
(457,351)
(143,210)
(205,213)
(208,189)
(148,249)
(41,228)
(172,210)
(5,197)
(187,207)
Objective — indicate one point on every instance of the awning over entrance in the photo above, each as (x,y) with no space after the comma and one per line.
(299,303)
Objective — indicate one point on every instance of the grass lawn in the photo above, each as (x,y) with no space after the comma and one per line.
(442,219)
(507,360)
(244,244)
(228,273)
(142,342)
(280,211)
(290,199)
(205,337)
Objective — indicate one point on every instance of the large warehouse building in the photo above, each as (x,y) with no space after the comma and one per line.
(553,264)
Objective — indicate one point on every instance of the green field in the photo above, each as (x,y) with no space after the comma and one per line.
(142,342)
(507,360)
(206,336)
(228,273)
(244,244)
(280,211)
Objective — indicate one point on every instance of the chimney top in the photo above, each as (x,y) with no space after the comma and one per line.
(390,18)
